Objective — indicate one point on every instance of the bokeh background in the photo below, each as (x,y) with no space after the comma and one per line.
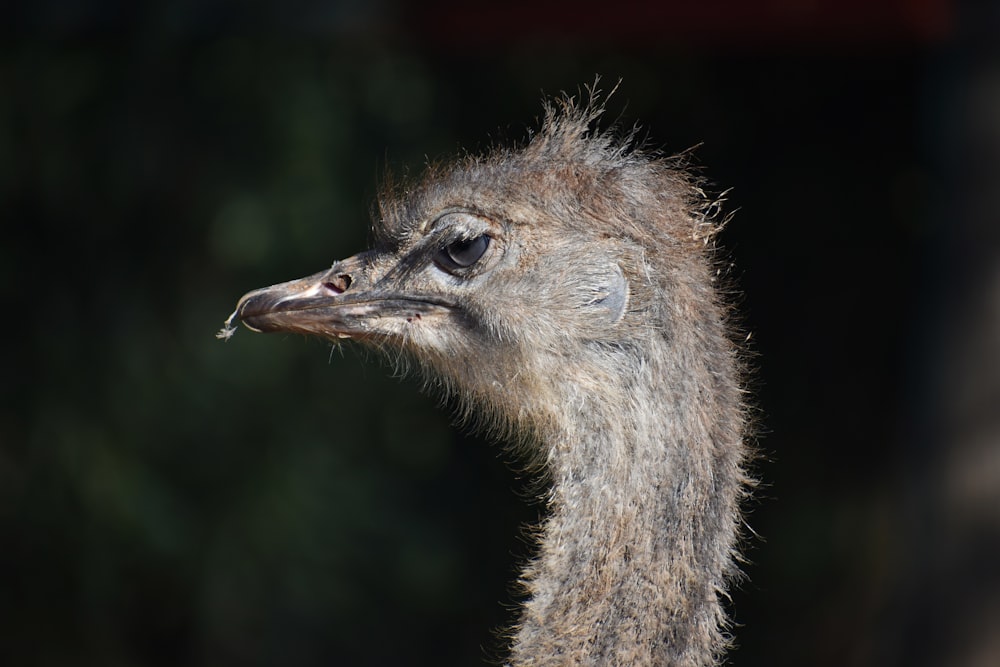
(168,499)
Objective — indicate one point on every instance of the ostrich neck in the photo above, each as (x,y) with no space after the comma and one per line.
(639,540)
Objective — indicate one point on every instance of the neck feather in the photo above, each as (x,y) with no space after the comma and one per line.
(639,544)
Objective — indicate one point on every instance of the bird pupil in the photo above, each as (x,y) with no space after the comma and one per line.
(467,252)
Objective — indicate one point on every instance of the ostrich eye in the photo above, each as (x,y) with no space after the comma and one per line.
(464,253)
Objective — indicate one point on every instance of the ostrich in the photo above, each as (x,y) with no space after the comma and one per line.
(566,293)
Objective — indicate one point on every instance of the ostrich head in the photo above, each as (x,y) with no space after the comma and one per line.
(516,277)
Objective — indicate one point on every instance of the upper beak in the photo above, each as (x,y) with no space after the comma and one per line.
(341,302)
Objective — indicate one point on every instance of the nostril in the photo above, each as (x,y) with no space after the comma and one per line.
(339,284)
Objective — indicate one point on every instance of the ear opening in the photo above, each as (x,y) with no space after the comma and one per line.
(611,301)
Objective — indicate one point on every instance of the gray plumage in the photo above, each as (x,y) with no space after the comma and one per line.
(566,292)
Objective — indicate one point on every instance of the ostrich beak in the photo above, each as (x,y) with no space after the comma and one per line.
(340,302)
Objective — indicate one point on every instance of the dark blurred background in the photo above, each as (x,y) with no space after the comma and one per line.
(168,499)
